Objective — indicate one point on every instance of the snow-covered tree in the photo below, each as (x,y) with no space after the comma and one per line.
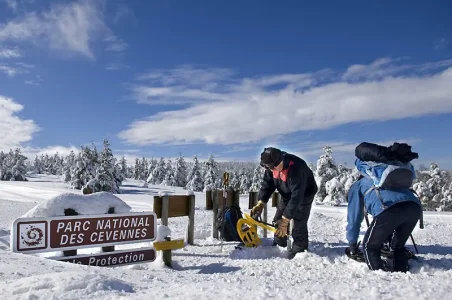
(234,180)
(69,164)
(37,165)
(210,174)
(258,176)
(194,178)
(158,174)
(123,170)
(245,182)
(12,166)
(106,175)
(326,170)
(335,192)
(84,169)
(180,172)
(137,170)
(19,169)
(169,174)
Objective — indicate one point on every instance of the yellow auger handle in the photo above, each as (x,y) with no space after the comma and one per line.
(254,222)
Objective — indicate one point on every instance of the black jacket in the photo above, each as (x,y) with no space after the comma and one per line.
(295,183)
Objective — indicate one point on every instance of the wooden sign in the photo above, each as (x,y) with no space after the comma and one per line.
(33,235)
(111,259)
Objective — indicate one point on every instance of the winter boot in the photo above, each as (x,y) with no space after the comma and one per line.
(400,261)
(296,249)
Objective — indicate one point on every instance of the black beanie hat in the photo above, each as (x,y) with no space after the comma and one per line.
(271,157)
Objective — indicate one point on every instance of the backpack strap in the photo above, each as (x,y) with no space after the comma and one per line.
(421,218)
(377,191)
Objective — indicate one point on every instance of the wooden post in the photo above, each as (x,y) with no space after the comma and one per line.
(215,214)
(111,210)
(209,203)
(191,220)
(236,197)
(252,199)
(166,254)
(70,212)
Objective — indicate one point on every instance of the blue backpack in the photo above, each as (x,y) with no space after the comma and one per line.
(232,214)
(390,176)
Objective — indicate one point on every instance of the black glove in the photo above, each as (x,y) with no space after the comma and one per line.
(353,252)
(354,248)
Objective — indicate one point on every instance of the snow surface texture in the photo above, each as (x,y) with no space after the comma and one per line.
(94,204)
(203,271)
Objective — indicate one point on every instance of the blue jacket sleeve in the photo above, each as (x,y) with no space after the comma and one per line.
(355,213)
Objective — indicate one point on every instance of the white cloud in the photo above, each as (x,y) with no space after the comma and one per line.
(13,130)
(114,43)
(31,82)
(115,66)
(12,4)
(15,69)
(7,53)
(228,110)
(440,44)
(68,28)
(16,5)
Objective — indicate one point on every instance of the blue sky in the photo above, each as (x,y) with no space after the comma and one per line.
(226,77)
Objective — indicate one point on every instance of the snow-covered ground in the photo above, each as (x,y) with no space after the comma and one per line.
(205,271)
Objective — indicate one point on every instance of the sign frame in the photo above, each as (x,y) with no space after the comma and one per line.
(42,233)
(73,259)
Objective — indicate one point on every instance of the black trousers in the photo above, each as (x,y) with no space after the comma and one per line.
(398,221)
(300,233)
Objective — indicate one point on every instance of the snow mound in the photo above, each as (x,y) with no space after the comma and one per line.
(74,285)
(162,232)
(93,204)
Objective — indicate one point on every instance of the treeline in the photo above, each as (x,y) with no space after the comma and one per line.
(103,172)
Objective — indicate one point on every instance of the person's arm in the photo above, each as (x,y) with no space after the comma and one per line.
(297,182)
(267,187)
(355,213)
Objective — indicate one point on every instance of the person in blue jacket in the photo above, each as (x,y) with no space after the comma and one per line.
(396,220)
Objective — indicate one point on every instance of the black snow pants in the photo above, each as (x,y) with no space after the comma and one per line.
(399,221)
(300,233)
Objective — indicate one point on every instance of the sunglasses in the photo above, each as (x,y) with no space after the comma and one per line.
(269,166)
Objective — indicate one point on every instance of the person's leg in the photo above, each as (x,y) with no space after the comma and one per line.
(278,216)
(300,232)
(411,213)
(379,230)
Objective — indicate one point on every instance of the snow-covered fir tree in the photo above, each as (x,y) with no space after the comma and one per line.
(12,166)
(158,174)
(124,171)
(210,174)
(180,172)
(19,169)
(84,169)
(234,180)
(69,164)
(352,177)
(37,166)
(137,170)
(258,176)
(446,201)
(326,170)
(169,174)
(144,169)
(245,182)
(105,179)
(335,192)
(195,181)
